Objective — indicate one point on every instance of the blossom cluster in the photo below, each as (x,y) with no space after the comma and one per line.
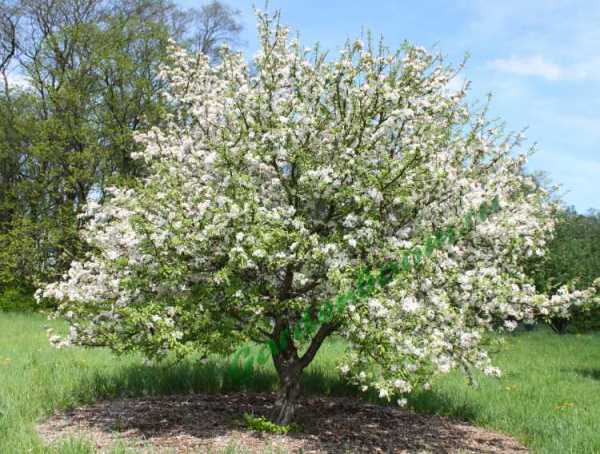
(366,284)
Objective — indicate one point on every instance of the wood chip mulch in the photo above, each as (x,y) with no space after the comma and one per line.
(212,423)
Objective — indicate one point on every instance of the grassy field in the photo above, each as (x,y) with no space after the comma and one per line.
(549,397)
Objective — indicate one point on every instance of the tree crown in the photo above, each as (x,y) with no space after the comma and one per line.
(271,184)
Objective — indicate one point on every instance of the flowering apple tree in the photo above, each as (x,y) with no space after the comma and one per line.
(272,183)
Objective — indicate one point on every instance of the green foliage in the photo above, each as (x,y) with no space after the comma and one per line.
(574,253)
(262,424)
(573,257)
(92,71)
(12,299)
(69,133)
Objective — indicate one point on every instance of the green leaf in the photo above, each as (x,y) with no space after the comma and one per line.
(495,204)
(341,302)
(298,333)
(417,255)
(325,314)
(483,212)
(405,262)
(310,327)
(429,246)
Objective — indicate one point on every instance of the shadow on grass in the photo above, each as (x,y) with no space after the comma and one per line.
(588,372)
(179,378)
(217,377)
(438,403)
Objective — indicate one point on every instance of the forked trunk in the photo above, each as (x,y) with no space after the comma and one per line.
(289,366)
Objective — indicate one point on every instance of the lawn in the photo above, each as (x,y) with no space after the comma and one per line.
(548,398)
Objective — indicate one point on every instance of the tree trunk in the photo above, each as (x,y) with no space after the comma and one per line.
(285,406)
(559,325)
(289,366)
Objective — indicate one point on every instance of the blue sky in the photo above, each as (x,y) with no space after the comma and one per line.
(540,59)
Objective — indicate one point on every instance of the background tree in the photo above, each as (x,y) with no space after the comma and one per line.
(573,257)
(92,81)
(268,189)
(214,23)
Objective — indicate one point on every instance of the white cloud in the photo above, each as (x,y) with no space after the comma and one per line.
(538,66)
(532,66)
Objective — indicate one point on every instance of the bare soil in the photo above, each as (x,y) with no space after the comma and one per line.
(201,423)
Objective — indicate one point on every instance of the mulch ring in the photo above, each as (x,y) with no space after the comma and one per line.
(212,423)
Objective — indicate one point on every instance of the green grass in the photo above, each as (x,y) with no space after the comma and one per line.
(549,397)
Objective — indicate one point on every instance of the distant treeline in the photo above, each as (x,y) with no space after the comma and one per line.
(573,257)
(77,79)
